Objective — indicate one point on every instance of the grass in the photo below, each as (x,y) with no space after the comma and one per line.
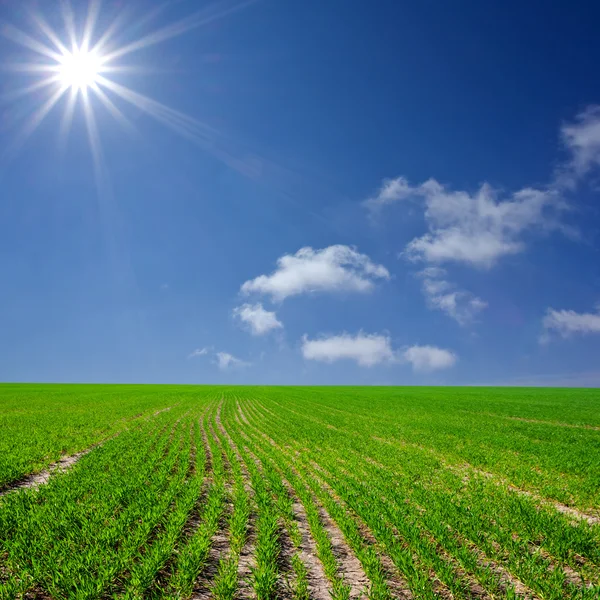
(448,492)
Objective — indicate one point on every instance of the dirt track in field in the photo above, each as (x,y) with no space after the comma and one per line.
(43,477)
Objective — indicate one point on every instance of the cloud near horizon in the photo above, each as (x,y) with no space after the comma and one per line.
(258,320)
(365,349)
(569,322)
(429,358)
(226,361)
(368,350)
(336,268)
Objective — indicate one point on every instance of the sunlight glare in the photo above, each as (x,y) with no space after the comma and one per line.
(79,69)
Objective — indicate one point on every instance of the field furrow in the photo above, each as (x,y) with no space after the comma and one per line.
(352,569)
(318,521)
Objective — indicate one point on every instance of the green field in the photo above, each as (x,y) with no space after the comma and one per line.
(266,492)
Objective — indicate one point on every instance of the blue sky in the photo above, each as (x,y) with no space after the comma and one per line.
(301,192)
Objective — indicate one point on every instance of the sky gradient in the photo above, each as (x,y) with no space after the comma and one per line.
(290,192)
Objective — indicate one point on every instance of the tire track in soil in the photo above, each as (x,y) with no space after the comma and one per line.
(24,591)
(571,575)
(62,465)
(540,422)
(465,469)
(65,463)
(36,480)
(350,568)
(37,592)
(578,515)
(162,410)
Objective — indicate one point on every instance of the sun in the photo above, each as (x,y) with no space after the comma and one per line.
(79,69)
(83,67)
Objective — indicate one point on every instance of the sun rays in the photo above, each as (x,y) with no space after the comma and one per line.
(75,68)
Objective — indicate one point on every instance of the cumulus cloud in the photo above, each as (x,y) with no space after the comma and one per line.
(366,349)
(429,358)
(482,227)
(582,139)
(477,229)
(441,294)
(333,269)
(569,322)
(257,319)
(198,352)
(227,361)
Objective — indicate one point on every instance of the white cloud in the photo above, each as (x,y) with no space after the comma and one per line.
(582,139)
(458,305)
(569,322)
(226,361)
(259,320)
(391,190)
(429,358)
(442,295)
(433,272)
(373,349)
(332,269)
(477,229)
(366,349)
(482,227)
